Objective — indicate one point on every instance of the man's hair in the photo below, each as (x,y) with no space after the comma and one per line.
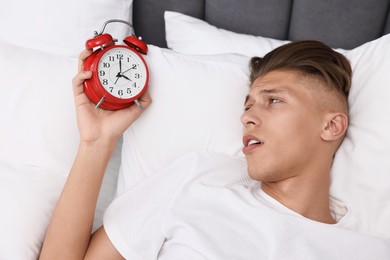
(310,57)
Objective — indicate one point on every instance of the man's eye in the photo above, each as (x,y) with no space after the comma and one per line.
(274,100)
(246,108)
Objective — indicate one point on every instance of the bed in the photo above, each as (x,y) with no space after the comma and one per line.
(211,39)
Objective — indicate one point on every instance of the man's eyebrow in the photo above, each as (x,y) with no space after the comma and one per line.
(272,90)
(266,91)
(246,99)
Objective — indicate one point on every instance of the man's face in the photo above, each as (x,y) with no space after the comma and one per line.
(282,125)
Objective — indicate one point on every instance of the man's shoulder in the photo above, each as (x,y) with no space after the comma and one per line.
(218,169)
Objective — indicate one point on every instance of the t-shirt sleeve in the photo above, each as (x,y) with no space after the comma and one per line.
(134,221)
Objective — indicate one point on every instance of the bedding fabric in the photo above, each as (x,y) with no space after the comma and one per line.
(197,104)
(39,140)
(60,27)
(41,113)
(182,213)
(361,170)
(28,194)
(39,45)
(190,35)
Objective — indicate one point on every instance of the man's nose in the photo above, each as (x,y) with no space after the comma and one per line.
(249,118)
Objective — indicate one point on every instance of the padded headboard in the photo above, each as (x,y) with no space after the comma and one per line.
(341,24)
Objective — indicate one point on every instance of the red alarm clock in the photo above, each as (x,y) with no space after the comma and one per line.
(119,72)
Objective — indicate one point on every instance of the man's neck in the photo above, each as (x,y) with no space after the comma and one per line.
(308,197)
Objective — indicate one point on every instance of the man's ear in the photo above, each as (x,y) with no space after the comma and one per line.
(335,126)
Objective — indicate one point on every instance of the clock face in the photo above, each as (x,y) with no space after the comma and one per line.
(122,72)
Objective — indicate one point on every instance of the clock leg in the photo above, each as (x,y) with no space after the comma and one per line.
(138,104)
(100,102)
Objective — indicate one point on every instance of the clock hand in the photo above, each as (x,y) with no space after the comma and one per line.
(116,80)
(126,77)
(120,65)
(117,77)
(127,71)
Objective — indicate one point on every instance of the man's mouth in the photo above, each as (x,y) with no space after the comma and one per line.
(249,140)
(252,142)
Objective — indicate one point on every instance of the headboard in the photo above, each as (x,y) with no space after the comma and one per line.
(340,24)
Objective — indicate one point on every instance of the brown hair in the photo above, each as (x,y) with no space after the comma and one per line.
(310,57)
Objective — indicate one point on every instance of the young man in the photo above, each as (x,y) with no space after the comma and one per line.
(273,205)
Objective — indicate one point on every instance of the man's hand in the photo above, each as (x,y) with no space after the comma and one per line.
(96,124)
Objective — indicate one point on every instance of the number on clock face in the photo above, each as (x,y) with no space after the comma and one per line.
(122,73)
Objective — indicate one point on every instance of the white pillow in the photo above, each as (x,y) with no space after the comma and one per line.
(361,170)
(197,103)
(39,140)
(38,116)
(60,27)
(190,35)
(28,194)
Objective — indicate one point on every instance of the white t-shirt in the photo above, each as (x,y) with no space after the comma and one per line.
(204,206)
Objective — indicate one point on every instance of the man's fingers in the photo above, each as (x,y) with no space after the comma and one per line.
(83,56)
(144,101)
(79,79)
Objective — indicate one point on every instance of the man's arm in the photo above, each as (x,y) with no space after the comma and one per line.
(69,232)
